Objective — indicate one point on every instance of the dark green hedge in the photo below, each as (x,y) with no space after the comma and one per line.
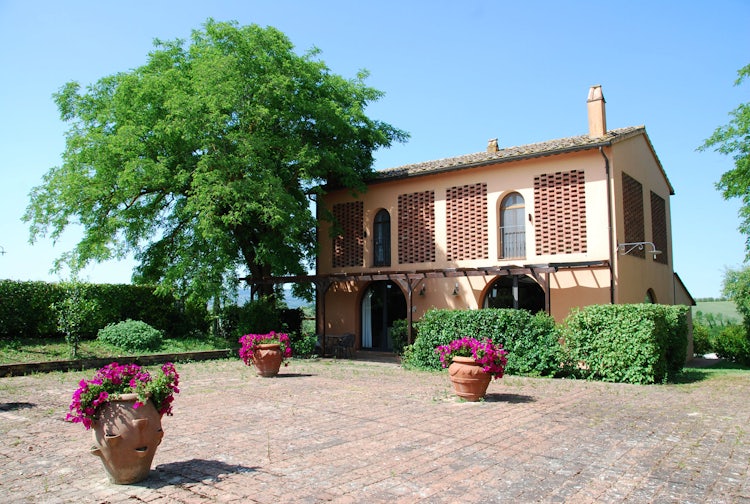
(25,309)
(532,341)
(641,343)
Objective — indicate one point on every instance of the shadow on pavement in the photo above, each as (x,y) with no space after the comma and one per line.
(191,471)
(509,398)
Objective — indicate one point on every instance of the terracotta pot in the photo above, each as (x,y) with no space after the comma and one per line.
(267,359)
(469,381)
(125,438)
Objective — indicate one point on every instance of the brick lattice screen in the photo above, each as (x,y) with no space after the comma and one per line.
(416,227)
(466,216)
(632,206)
(659,226)
(348,247)
(560,210)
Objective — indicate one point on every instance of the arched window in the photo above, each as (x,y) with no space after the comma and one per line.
(650,297)
(512,227)
(381,239)
(515,291)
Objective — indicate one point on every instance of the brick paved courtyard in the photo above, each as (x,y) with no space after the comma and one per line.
(359,431)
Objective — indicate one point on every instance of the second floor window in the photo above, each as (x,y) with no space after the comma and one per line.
(512,227)
(381,239)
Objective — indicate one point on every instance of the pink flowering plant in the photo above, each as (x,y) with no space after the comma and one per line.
(249,343)
(492,357)
(114,380)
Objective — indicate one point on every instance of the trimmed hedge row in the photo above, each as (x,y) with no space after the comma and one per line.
(532,341)
(645,343)
(26,309)
(637,343)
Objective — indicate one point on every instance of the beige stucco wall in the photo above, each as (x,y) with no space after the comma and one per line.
(501,179)
(569,287)
(634,276)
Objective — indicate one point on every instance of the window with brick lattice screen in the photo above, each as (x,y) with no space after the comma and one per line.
(560,213)
(416,227)
(659,227)
(632,207)
(348,247)
(466,215)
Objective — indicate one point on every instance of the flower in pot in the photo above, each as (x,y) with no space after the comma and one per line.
(124,405)
(266,351)
(472,364)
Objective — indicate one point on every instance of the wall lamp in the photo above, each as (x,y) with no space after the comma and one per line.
(455,290)
(626,248)
(421,291)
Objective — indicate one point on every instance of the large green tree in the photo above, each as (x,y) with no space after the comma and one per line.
(203,162)
(733,139)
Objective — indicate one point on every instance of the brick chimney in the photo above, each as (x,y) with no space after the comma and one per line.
(492,145)
(597,113)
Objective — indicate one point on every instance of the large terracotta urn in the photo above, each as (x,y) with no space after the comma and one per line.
(125,438)
(267,359)
(469,380)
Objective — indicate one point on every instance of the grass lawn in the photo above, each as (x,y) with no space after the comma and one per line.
(20,350)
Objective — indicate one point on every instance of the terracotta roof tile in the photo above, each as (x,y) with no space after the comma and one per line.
(547,148)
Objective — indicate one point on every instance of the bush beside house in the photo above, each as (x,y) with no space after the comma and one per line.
(641,343)
(644,343)
(532,341)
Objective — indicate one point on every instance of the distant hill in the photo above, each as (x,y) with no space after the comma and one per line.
(726,308)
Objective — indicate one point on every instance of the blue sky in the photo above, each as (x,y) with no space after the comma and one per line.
(455,74)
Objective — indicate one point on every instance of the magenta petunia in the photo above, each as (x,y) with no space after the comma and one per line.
(113,380)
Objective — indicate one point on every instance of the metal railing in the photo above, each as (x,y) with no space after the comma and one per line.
(513,241)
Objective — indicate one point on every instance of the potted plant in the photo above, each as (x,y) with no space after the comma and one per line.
(266,351)
(124,404)
(472,364)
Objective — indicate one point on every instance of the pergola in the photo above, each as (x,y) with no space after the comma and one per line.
(409,281)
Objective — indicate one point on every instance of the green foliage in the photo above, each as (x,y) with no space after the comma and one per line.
(702,344)
(260,316)
(644,343)
(204,160)
(303,345)
(131,336)
(737,288)
(733,344)
(26,309)
(532,341)
(734,140)
(75,314)
(399,335)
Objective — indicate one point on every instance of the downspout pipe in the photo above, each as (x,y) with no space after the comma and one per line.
(611,226)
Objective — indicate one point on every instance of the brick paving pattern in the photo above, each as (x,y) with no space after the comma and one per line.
(351,431)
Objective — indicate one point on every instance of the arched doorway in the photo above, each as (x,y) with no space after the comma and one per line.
(515,291)
(382,303)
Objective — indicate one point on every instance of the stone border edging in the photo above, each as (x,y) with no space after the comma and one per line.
(80,364)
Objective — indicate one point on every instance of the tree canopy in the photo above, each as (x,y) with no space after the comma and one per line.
(733,140)
(203,162)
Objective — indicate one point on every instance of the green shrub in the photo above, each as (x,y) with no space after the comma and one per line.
(131,336)
(27,310)
(75,314)
(636,343)
(732,343)
(701,340)
(303,345)
(398,335)
(532,341)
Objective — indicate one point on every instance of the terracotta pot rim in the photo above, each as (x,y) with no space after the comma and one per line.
(464,360)
(130,396)
(267,346)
